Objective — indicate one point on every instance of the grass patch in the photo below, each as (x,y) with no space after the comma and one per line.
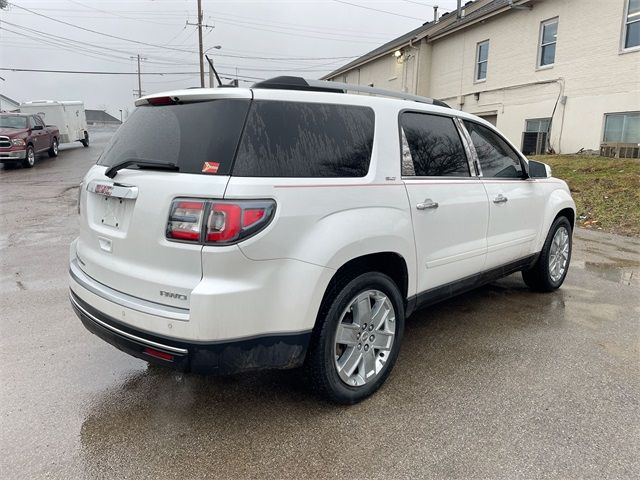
(606,190)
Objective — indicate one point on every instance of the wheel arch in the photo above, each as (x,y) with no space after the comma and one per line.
(559,204)
(392,264)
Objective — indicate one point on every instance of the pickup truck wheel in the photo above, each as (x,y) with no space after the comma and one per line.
(53,151)
(30,159)
(85,140)
(357,339)
(552,265)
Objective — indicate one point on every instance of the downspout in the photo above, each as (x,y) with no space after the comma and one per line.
(416,67)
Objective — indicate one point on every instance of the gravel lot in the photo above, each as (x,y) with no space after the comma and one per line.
(498,383)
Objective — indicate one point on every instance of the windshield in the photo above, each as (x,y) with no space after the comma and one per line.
(13,121)
(188,135)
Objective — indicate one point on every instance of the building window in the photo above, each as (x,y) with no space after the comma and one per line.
(632,24)
(622,127)
(482,57)
(537,125)
(548,38)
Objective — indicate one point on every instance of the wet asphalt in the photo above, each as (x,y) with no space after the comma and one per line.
(498,383)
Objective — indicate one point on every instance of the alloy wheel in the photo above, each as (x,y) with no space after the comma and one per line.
(364,338)
(559,254)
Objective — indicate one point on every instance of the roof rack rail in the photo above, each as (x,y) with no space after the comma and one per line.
(299,83)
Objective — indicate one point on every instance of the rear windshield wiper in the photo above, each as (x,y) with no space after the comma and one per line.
(113,170)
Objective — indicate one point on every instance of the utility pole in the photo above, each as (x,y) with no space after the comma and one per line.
(200,43)
(139,92)
(200,47)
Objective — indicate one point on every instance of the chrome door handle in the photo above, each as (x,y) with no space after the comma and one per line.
(428,203)
(500,199)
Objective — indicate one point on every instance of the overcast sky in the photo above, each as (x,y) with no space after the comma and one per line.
(284,38)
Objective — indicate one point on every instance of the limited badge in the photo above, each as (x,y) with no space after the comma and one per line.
(210,167)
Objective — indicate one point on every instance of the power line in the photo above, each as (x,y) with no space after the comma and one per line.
(378,10)
(104,72)
(80,45)
(423,4)
(98,33)
(165,47)
(116,14)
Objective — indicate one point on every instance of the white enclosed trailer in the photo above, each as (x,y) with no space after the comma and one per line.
(67,115)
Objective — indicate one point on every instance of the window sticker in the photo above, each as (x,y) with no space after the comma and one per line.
(210,167)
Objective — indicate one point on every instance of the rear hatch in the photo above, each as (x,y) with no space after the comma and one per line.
(123,240)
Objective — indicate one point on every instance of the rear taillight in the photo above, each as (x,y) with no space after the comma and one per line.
(216,222)
(185,221)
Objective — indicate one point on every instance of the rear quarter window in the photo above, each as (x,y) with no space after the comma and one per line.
(298,139)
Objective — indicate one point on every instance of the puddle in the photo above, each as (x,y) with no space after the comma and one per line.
(619,272)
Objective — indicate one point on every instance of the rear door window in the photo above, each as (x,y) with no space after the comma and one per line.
(298,139)
(496,157)
(431,146)
(188,135)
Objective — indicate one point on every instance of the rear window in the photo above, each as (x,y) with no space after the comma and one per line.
(187,134)
(297,139)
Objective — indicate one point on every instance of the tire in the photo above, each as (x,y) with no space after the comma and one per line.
(30,160)
(550,270)
(85,141)
(338,372)
(53,151)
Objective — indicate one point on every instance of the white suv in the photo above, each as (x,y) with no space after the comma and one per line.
(294,224)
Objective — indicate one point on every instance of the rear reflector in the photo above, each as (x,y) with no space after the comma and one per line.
(158,354)
(185,221)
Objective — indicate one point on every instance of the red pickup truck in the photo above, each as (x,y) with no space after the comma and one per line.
(23,136)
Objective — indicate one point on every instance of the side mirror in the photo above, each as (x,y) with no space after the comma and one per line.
(539,169)
(37,127)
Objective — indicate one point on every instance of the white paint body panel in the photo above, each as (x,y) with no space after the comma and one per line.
(274,282)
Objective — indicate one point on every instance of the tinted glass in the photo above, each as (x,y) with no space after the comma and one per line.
(187,135)
(295,139)
(39,120)
(497,158)
(434,145)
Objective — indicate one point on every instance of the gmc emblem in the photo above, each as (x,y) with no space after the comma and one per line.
(177,296)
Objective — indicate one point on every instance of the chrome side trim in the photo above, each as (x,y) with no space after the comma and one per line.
(180,351)
(124,300)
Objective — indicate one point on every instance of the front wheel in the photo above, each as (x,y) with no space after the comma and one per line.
(53,151)
(552,265)
(357,340)
(30,158)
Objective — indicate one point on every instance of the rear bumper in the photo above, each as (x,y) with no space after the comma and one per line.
(12,155)
(279,351)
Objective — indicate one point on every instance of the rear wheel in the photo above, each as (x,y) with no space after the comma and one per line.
(30,158)
(85,140)
(552,265)
(357,340)
(53,151)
